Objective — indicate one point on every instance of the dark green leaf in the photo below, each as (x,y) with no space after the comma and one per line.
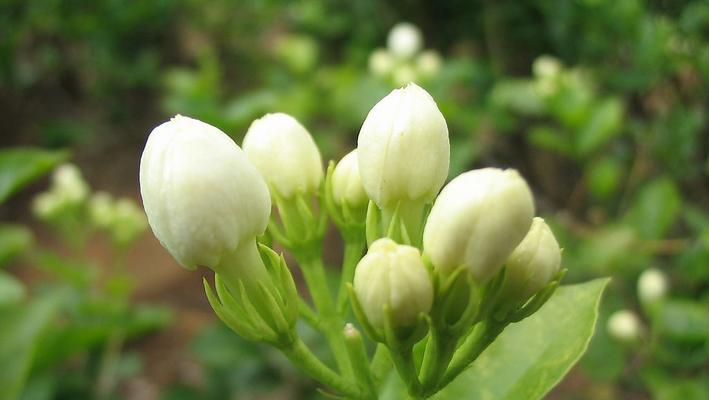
(19,167)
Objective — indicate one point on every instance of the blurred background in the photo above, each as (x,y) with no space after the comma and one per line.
(601,104)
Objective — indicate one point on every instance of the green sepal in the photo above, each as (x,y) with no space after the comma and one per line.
(537,301)
(373,222)
(242,328)
(300,229)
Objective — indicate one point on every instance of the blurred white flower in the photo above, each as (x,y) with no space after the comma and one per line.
(428,63)
(404,40)
(381,63)
(652,285)
(624,325)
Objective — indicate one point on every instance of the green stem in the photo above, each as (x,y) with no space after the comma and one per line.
(438,353)
(106,379)
(482,336)
(353,253)
(299,354)
(359,361)
(404,363)
(331,323)
(381,363)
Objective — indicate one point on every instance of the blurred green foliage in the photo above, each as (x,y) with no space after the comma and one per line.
(602,104)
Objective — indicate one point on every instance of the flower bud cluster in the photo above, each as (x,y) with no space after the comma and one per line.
(122,218)
(403,61)
(67,192)
(436,262)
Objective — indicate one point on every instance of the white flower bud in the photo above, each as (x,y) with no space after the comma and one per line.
(533,263)
(69,184)
(393,275)
(477,220)
(652,285)
(101,207)
(546,67)
(429,63)
(202,196)
(381,62)
(404,40)
(285,154)
(403,148)
(624,325)
(347,184)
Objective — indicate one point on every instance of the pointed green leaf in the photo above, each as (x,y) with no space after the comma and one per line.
(20,166)
(531,357)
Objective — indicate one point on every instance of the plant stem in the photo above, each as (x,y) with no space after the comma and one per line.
(353,253)
(438,353)
(332,324)
(299,354)
(359,361)
(380,363)
(481,337)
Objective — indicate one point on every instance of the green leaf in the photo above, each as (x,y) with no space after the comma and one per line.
(603,124)
(656,209)
(20,326)
(11,290)
(14,240)
(683,320)
(20,166)
(531,357)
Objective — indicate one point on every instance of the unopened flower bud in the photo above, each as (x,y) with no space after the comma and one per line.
(393,275)
(429,63)
(624,325)
(285,154)
(381,62)
(347,184)
(68,183)
(404,40)
(202,196)
(652,285)
(477,220)
(532,264)
(546,67)
(403,148)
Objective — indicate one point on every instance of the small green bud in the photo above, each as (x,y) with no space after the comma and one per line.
(285,154)
(532,264)
(394,276)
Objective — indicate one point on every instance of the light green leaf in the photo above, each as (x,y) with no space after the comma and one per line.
(20,166)
(11,290)
(603,124)
(20,327)
(656,209)
(14,240)
(531,357)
